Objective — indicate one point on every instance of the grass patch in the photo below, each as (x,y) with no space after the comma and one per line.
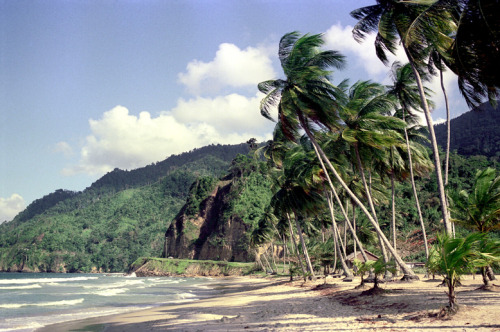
(189,267)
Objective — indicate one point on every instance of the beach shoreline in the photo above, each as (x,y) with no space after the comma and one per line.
(263,304)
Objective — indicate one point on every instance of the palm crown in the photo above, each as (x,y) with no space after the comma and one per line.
(306,92)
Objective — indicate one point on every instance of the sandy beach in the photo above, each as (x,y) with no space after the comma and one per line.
(262,304)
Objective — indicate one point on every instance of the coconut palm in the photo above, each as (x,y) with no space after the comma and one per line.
(292,199)
(405,90)
(454,257)
(479,210)
(395,21)
(307,100)
(472,48)
(369,130)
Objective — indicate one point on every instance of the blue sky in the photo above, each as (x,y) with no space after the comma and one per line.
(87,86)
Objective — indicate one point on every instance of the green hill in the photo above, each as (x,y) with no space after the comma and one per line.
(119,218)
(476,132)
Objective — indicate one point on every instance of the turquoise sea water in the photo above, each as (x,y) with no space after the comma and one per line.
(31,300)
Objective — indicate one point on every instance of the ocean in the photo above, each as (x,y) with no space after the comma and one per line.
(29,301)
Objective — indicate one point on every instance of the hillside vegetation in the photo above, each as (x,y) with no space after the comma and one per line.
(474,133)
(119,218)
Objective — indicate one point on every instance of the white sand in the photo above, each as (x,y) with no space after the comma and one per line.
(252,304)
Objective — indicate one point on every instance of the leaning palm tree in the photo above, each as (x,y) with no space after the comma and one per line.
(394,21)
(405,90)
(370,130)
(307,100)
(473,46)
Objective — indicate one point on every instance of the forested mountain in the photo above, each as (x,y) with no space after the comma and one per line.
(217,157)
(118,218)
(476,132)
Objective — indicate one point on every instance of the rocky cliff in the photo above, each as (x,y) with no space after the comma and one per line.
(218,218)
(209,234)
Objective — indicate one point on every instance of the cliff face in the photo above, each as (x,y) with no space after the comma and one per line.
(209,234)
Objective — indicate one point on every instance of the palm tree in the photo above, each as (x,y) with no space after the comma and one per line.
(454,257)
(394,21)
(472,48)
(405,90)
(312,177)
(369,130)
(307,100)
(479,210)
(293,199)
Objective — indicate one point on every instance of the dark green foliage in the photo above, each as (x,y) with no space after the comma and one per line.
(474,133)
(198,192)
(119,179)
(45,203)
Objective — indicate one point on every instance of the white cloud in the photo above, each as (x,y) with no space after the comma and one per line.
(362,54)
(231,113)
(439,121)
(64,148)
(10,207)
(127,141)
(231,67)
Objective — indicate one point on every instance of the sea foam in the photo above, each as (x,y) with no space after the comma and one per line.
(43,280)
(22,287)
(41,304)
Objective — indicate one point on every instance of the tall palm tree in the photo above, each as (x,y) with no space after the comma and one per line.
(369,129)
(394,21)
(405,90)
(307,100)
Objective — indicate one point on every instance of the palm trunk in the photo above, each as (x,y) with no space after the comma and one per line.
(304,248)
(490,273)
(452,297)
(273,260)
(343,259)
(296,248)
(372,206)
(393,217)
(257,258)
(284,253)
(335,253)
(267,262)
(448,142)
(354,228)
(414,188)
(448,129)
(344,212)
(486,280)
(409,274)
(435,151)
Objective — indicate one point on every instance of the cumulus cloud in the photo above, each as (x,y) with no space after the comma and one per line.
(123,140)
(361,54)
(10,207)
(231,67)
